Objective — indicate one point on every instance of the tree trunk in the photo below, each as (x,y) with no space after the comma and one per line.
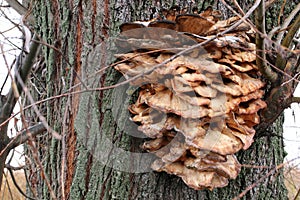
(77,166)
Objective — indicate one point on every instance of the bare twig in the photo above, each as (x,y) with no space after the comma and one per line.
(39,164)
(8,186)
(8,166)
(37,111)
(17,185)
(260,44)
(113,86)
(64,150)
(20,9)
(29,185)
(63,56)
(295,100)
(273,31)
(295,77)
(297,195)
(24,135)
(8,41)
(281,60)
(36,157)
(102,70)
(250,187)
(238,7)
(10,20)
(265,69)
(23,72)
(243,19)
(287,22)
(281,11)
(7,66)
(21,75)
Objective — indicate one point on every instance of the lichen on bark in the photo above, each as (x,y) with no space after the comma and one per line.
(89,178)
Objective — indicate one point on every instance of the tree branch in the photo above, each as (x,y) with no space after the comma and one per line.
(12,96)
(281,60)
(287,22)
(8,166)
(19,8)
(292,31)
(238,7)
(294,100)
(17,185)
(281,29)
(260,44)
(26,134)
(20,75)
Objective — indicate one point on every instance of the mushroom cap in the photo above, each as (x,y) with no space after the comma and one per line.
(199,108)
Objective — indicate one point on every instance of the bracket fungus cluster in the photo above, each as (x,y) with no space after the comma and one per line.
(197,108)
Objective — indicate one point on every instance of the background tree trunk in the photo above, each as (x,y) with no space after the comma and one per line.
(77,32)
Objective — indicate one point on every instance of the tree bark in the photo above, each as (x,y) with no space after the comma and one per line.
(78,32)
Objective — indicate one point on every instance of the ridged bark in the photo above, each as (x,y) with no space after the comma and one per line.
(79,31)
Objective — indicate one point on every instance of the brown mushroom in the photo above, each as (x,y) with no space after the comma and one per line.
(198,109)
(229,169)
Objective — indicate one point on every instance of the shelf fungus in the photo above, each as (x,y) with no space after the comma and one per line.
(197,107)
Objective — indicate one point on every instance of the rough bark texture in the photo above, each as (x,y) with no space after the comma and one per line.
(79,29)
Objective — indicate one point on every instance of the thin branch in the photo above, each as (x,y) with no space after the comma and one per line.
(63,149)
(281,11)
(19,8)
(297,195)
(292,32)
(281,60)
(66,94)
(10,20)
(29,186)
(24,135)
(8,166)
(7,40)
(291,68)
(4,6)
(250,187)
(23,72)
(8,186)
(238,7)
(287,22)
(294,100)
(7,66)
(260,44)
(63,56)
(39,164)
(273,31)
(265,69)
(17,186)
(38,113)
